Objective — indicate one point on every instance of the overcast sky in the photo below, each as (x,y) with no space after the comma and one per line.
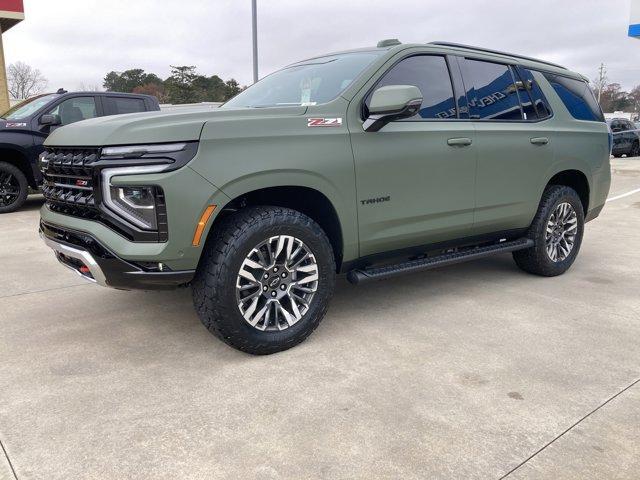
(76,42)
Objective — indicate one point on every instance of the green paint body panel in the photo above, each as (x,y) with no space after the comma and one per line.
(431,191)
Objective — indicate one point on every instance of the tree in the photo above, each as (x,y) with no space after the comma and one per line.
(157,90)
(128,80)
(180,85)
(24,81)
(634,98)
(184,85)
(614,98)
(232,88)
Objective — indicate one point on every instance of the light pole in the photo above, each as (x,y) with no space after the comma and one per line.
(254,31)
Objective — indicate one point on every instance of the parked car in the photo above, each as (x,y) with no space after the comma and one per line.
(24,128)
(626,138)
(371,163)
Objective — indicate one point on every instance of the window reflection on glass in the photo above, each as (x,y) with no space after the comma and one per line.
(431,75)
(491,91)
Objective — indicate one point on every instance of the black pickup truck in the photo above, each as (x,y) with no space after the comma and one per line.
(24,128)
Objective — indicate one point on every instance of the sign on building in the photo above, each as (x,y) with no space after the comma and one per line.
(634,21)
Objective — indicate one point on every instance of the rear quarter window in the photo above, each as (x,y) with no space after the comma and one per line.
(577,97)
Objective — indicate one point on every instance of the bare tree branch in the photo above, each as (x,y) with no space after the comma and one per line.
(24,81)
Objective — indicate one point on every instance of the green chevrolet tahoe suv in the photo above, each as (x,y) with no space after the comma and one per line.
(371,163)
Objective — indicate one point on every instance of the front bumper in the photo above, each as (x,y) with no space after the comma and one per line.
(82,253)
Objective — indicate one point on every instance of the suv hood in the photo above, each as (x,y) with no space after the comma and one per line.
(153,127)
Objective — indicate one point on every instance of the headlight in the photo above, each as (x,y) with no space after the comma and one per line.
(137,204)
(136,151)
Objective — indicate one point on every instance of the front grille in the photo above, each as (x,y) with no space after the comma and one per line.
(71,186)
(68,185)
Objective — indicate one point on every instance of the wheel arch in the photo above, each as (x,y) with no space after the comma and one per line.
(307,200)
(575,179)
(20,160)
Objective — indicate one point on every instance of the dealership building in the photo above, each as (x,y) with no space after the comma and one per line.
(11,13)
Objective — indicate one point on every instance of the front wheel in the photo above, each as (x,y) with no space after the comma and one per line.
(635,150)
(13,188)
(265,279)
(557,231)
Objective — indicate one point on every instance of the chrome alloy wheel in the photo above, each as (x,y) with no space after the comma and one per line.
(562,229)
(276,283)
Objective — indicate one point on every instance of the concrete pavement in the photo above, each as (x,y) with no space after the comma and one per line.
(473,371)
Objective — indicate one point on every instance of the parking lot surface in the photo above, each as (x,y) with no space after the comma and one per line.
(472,371)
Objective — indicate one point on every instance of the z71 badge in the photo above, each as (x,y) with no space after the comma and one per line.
(324,122)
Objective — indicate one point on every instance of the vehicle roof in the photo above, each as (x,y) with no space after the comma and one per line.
(115,94)
(467,50)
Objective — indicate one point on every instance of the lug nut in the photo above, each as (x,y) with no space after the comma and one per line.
(283,287)
(275,269)
(273,294)
(266,275)
(264,288)
(284,275)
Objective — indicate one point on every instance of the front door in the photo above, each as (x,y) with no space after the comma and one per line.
(415,178)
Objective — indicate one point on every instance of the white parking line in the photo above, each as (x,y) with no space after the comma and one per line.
(618,197)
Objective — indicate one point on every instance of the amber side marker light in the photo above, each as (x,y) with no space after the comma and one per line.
(197,236)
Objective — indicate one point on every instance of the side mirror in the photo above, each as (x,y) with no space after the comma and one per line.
(51,120)
(390,103)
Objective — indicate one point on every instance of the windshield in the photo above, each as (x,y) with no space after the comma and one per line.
(315,81)
(28,107)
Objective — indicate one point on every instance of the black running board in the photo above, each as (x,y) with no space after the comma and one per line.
(374,273)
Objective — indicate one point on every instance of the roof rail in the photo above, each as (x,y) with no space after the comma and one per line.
(487,50)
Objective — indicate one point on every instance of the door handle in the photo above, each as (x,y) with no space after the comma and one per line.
(540,140)
(459,142)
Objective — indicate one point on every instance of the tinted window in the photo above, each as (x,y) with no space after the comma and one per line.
(534,104)
(431,75)
(119,105)
(75,109)
(491,91)
(577,97)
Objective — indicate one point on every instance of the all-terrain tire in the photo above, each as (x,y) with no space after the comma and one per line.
(214,285)
(536,260)
(11,177)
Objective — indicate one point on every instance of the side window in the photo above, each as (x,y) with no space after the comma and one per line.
(430,74)
(491,91)
(119,105)
(75,109)
(534,104)
(577,97)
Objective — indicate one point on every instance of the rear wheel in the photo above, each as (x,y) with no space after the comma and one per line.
(557,231)
(13,188)
(265,279)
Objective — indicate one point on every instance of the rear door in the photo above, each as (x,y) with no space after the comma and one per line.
(118,105)
(513,142)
